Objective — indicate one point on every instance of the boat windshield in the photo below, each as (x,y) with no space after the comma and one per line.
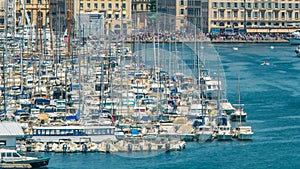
(10,154)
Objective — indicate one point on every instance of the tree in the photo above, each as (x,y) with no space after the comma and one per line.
(153,5)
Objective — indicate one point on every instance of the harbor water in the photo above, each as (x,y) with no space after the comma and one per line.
(271,94)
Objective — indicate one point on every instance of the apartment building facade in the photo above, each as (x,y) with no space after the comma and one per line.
(117,13)
(253,15)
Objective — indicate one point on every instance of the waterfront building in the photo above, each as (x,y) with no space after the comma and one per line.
(139,8)
(117,13)
(9,131)
(197,13)
(8,16)
(260,16)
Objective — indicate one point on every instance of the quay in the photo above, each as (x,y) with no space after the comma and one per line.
(15,166)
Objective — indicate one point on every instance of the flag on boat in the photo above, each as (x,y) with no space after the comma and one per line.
(212,112)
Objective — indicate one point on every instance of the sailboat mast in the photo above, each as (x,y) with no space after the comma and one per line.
(69,27)
(50,25)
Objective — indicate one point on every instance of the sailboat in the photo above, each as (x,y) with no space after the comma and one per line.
(224,130)
(242,132)
(238,114)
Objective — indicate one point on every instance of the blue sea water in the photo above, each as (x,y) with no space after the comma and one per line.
(271,95)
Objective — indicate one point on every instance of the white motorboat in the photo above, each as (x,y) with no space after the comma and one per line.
(205,133)
(239,114)
(224,130)
(8,156)
(244,133)
(224,133)
(265,63)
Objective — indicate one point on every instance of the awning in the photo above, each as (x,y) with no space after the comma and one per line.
(215,30)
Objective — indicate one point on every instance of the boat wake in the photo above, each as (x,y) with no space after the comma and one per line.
(278,129)
(289,117)
(139,155)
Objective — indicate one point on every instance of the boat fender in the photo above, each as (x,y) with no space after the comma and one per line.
(28,149)
(107,147)
(149,146)
(47,147)
(65,148)
(129,147)
(84,147)
(141,147)
(168,146)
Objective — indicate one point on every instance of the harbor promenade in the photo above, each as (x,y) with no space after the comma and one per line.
(211,38)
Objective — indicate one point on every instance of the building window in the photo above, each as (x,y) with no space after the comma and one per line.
(235,5)
(262,14)
(109,6)
(263,5)
(222,4)
(282,6)
(269,5)
(255,14)
(249,14)
(276,14)
(248,5)
(276,5)
(124,6)
(95,6)
(116,16)
(255,5)
(297,6)
(215,4)
(242,4)
(235,14)
(269,15)
(228,5)
(228,14)
(215,14)
(290,15)
(296,15)
(123,15)
(181,2)
(222,14)
(102,5)
(282,15)
(181,11)
(142,7)
(28,1)
(242,14)
(108,15)
(117,6)
(290,5)
(81,5)
(88,5)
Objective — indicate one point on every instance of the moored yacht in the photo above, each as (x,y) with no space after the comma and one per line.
(239,114)
(244,133)
(8,156)
(224,131)
(204,133)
